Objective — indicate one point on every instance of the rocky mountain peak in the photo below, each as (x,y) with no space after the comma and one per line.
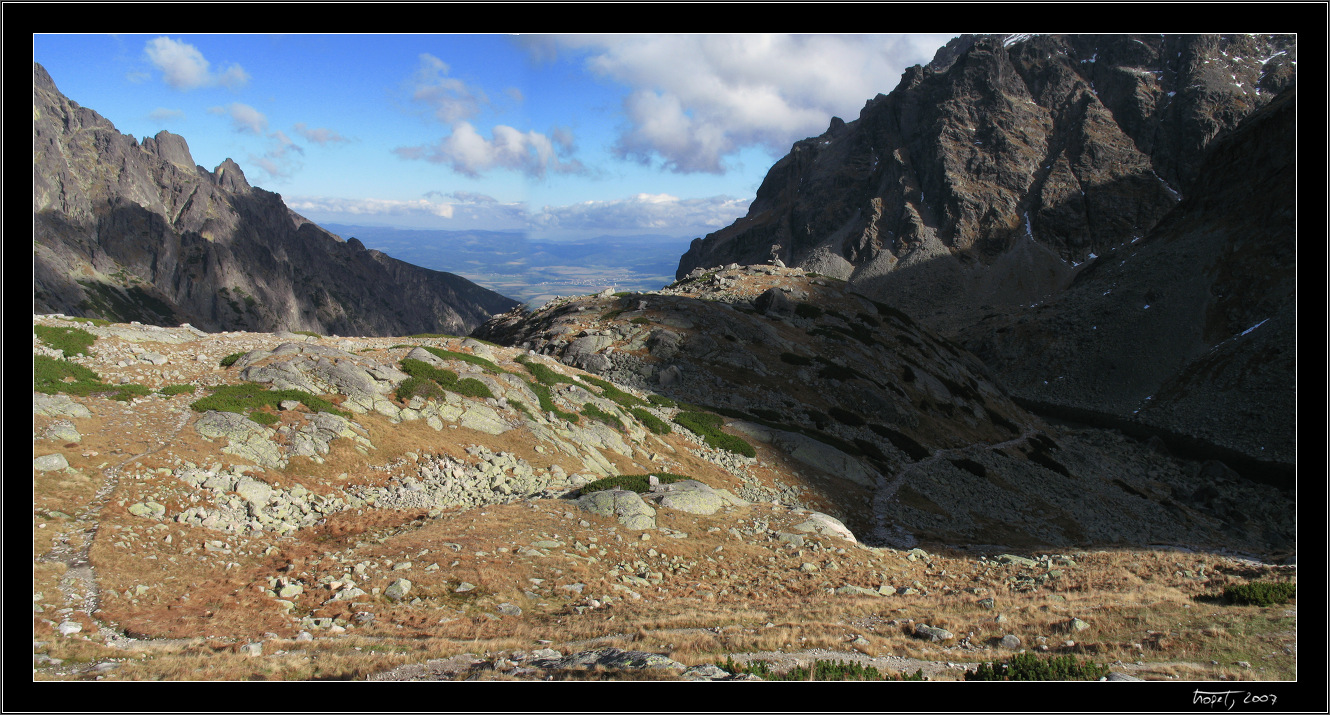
(229,176)
(170,147)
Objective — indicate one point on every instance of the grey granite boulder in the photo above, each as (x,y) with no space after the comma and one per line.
(626,506)
(688,495)
(50,462)
(826,525)
(932,633)
(57,406)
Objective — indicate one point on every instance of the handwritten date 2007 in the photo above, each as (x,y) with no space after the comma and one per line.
(1226,699)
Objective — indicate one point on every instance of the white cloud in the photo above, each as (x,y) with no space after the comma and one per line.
(695,99)
(184,67)
(371,207)
(162,114)
(244,118)
(467,152)
(319,135)
(448,98)
(655,212)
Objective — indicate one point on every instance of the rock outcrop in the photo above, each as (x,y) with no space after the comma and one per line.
(129,231)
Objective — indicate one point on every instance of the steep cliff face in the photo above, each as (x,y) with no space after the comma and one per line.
(1191,328)
(131,231)
(987,176)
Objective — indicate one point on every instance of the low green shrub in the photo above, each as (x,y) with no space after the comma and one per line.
(247,397)
(614,394)
(794,359)
(807,310)
(631,482)
(543,374)
(1260,593)
(52,375)
(590,410)
(488,366)
(230,360)
(661,401)
(173,390)
(824,670)
(707,426)
(471,387)
(1025,666)
(70,341)
(264,418)
(640,320)
(547,402)
(422,387)
(650,421)
(306,332)
(520,407)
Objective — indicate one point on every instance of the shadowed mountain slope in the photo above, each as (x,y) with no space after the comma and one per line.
(130,231)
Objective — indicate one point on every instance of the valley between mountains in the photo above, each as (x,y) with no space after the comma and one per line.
(861,426)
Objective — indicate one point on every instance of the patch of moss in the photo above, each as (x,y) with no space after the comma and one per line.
(70,341)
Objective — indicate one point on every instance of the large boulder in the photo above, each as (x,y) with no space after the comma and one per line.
(626,506)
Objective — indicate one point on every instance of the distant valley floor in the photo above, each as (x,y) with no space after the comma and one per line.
(531,270)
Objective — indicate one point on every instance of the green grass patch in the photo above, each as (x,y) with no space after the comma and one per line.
(631,482)
(640,320)
(650,421)
(707,426)
(1025,666)
(70,341)
(248,397)
(230,360)
(590,410)
(612,314)
(173,390)
(94,321)
(1260,593)
(306,332)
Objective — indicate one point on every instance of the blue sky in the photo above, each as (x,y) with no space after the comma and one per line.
(557,135)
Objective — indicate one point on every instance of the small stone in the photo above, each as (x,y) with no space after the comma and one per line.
(1011,642)
(398,589)
(987,604)
(50,462)
(69,628)
(509,609)
(252,649)
(464,587)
